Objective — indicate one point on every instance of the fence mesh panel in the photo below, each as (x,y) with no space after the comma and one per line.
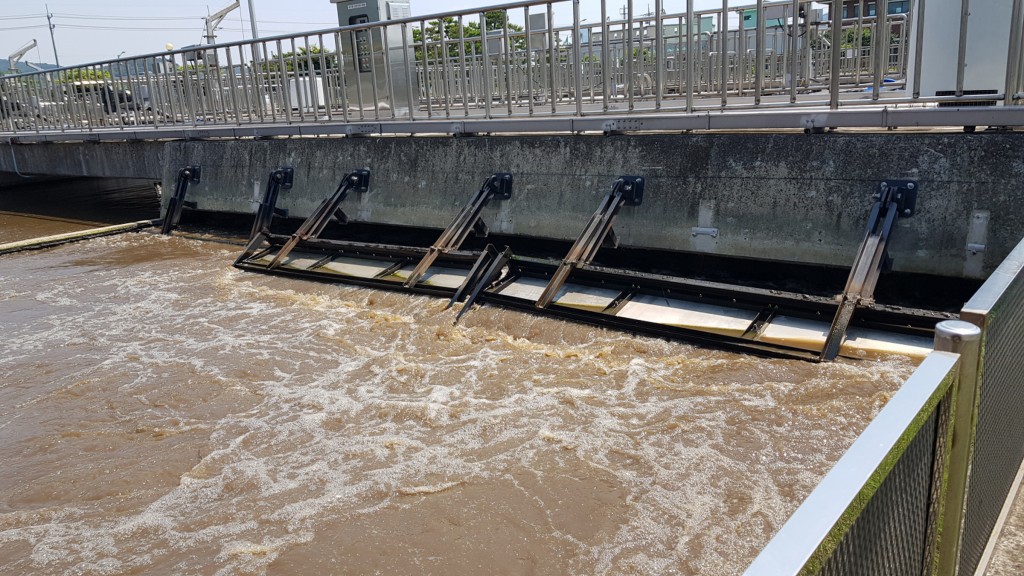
(889,536)
(999,445)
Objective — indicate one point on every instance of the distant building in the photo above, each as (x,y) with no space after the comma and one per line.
(852,8)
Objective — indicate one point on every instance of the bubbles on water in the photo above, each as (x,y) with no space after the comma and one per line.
(242,416)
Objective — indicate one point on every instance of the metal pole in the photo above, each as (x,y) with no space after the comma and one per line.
(962,338)
(918,56)
(961,58)
(252,21)
(577,55)
(1013,59)
(629,53)
(880,45)
(860,40)
(689,55)
(794,28)
(659,55)
(49,21)
(837,38)
(723,31)
(759,56)
(605,57)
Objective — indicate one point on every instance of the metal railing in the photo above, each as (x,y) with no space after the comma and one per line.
(404,75)
(998,308)
(923,489)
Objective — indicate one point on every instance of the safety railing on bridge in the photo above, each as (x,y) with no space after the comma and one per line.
(924,488)
(536,60)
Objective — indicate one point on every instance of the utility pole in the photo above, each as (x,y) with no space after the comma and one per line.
(252,21)
(49,20)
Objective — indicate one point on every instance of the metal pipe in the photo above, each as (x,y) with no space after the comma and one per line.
(689,55)
(554,54)
(880,47)
(961,338)
(408,70)
(374,90)
(605,55)
(759,57)
(629,53)
(918,55)
(793,45)
(233,89)
(577,56)
(426,67)
(463,76)
(835,13)
(243,76)
(860,39)
(342,84)
(741,56)
(961,56)
(529,60)
(723,31)
(1013,60)
(508,64)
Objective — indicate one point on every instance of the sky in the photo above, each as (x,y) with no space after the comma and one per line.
(89,31)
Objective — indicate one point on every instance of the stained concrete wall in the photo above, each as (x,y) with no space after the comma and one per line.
(789,197)
(93,159)
(777,196)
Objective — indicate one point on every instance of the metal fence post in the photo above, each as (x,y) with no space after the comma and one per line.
(962,338)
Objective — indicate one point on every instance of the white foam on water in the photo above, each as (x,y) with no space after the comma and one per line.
(308,403)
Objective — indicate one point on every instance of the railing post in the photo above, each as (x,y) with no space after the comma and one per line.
(836,19)
(962,338)
(1013,59)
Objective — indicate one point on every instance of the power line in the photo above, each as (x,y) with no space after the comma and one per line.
(124,28)
(101,17)
(24,27)
(24,17)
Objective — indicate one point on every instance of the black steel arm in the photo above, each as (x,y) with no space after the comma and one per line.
(894,199)
(626,190)
(468,219)
(187,175)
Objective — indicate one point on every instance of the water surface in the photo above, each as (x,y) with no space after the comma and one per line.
(164,413)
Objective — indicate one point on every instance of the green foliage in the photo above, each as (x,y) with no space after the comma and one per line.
(302,60)
(79,74)
(449,30)
(849,38)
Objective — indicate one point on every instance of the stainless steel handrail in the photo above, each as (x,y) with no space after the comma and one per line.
(680,63)
(807,540)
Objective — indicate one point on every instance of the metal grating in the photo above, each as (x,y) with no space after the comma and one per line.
(999,445)
(889,537)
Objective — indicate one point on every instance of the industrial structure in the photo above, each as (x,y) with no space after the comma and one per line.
(712,129)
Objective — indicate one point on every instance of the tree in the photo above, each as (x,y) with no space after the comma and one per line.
(79,74)
(301,59)
(449,30)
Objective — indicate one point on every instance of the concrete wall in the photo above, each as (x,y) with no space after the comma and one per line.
(777,196)
(790,197)
(102,160)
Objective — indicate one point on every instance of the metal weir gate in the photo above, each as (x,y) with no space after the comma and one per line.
(534,63)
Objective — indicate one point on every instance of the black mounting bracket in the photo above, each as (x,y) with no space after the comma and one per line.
(360,180)
(632,189)
(284,177)
(902,192)
(501,185)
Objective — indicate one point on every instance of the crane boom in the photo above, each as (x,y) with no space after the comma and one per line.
(214,20)
(12,60)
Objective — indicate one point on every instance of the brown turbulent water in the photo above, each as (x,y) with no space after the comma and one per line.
(164,413)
